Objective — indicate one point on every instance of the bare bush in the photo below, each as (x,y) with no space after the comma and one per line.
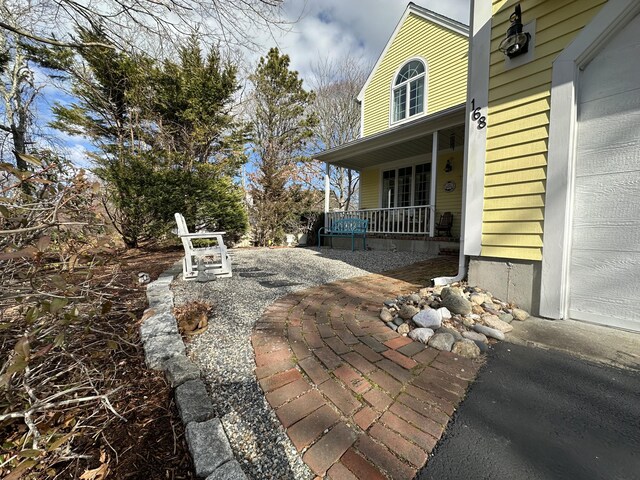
(60,320)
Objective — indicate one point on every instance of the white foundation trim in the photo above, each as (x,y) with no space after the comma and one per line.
(560,160)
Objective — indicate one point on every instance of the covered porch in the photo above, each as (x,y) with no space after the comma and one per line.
(410,175)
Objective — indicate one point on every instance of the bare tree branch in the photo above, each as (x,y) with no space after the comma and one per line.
(146,24)
(51,41)
(337,83)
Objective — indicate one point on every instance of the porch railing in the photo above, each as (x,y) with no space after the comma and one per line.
(401,220)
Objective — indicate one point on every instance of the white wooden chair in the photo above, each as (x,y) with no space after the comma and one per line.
(214,259)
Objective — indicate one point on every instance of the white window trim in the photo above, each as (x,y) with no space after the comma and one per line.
(426,92)
(561,153)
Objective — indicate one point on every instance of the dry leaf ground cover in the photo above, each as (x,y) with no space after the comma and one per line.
(76,400)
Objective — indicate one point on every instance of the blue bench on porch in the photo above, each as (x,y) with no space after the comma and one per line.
(346,227)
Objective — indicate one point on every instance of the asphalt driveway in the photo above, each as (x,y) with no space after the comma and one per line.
(534,414)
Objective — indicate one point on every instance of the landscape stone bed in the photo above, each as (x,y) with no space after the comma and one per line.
(456,318)
(225,355)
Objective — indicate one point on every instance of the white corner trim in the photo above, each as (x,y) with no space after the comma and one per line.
(476,139)
(427,15)
(361,118)
(560,158)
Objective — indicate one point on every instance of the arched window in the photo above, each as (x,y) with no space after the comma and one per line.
(408,91)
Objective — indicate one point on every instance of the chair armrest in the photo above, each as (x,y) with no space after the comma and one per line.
(202,234)
(320,230)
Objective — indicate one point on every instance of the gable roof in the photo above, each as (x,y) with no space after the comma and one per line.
(449,23)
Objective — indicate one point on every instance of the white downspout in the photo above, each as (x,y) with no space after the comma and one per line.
(478,74)
(462,259)
(462,264)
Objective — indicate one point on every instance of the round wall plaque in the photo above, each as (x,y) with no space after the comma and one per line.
(450,186)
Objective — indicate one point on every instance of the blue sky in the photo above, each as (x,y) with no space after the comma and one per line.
(318,29)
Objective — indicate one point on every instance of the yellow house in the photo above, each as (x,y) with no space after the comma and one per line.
(410,152)
(552,204)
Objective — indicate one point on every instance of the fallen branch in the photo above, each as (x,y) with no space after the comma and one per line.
(65,403)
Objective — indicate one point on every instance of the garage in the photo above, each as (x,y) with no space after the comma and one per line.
(604,261)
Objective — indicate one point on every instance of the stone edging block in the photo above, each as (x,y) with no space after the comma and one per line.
(208,445)
(164,350)
(193,402)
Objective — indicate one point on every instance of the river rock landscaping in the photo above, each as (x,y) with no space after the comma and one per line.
(457,318)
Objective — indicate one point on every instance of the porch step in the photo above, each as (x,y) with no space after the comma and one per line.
(449,252)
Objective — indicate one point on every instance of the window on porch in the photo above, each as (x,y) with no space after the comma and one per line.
(406,186)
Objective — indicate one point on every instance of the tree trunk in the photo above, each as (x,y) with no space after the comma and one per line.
(18,135)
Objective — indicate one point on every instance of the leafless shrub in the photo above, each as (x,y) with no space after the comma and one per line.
(60,322)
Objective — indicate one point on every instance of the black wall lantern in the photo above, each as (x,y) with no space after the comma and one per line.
(449,166)
(517,41)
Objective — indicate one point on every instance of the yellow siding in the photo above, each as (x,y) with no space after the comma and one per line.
(370,188)
(446,55)
(450,201)
(518,125)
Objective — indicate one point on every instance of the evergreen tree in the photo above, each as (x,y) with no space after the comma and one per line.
(192,108)
(282,129)
(166,139)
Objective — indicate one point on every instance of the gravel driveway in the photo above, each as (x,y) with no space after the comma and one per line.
(225,355)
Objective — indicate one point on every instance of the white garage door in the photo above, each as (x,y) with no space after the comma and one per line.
(604,271)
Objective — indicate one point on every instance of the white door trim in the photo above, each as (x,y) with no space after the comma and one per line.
(561,153)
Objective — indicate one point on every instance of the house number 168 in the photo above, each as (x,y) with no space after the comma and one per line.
(477,116)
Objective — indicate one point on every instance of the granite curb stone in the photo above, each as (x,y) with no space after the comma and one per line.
(193,402)
(165,350)
(180,369)
(208,445)
(159,349)
(159,324)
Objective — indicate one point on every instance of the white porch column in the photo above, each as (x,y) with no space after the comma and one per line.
(432,190)
(327,193)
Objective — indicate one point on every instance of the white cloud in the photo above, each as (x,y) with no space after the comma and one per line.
(333,28)
(77,154)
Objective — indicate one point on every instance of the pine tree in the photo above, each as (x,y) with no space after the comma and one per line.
(282,128)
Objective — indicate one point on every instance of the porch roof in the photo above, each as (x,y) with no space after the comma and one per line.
(406,140)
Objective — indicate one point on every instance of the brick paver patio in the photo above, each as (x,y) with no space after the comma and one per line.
(357,399)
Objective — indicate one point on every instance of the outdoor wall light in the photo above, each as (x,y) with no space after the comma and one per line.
(449,166)
(516,42)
